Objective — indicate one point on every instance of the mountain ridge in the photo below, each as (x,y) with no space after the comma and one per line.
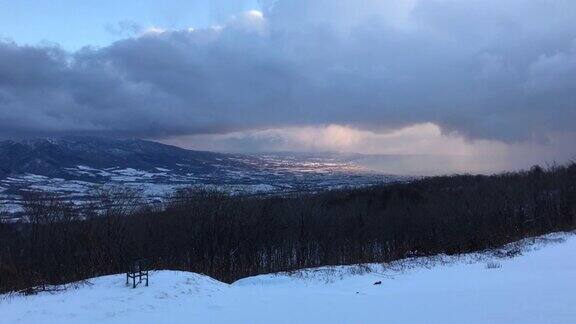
(51,156)
(76,167)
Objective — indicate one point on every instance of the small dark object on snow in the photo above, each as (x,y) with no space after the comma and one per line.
(378,283)
(137,269)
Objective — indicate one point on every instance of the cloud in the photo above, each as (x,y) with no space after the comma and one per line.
(222,10)
(482,69)
(124,28)
(422,138)
(420,149)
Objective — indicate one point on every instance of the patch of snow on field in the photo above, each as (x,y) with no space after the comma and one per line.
(76,187)
(34,177)
(130,174)
(263,188)
(10,207)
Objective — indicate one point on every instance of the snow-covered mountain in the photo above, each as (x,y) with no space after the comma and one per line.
(76,158)
(535,287)
(75,166)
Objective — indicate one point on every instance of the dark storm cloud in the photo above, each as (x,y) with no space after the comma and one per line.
(486,69)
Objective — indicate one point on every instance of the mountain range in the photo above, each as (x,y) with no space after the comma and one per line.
(75,166)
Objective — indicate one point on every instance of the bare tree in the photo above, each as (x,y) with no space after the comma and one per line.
(229,237)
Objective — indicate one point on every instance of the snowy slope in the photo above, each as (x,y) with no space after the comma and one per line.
(537,287)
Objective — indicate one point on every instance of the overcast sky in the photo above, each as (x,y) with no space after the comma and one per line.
(490,82)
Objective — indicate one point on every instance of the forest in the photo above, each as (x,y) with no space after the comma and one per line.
(231,237)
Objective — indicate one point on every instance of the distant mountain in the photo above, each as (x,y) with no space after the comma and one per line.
(75,166)
(53,156)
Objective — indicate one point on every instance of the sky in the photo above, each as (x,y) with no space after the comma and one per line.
(447,85)
(73,24)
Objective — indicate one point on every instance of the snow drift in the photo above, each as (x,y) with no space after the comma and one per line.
(536,285)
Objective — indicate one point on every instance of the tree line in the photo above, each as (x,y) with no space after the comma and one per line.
(231,237)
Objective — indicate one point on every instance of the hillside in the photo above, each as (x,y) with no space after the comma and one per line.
(535,287)
(55,156)
(74,167)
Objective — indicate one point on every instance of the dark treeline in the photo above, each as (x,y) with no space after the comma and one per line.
(234,237)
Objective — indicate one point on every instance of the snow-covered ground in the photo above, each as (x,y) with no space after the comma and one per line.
(269,177)
(538,286)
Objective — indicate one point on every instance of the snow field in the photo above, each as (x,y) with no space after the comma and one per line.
(538,286)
